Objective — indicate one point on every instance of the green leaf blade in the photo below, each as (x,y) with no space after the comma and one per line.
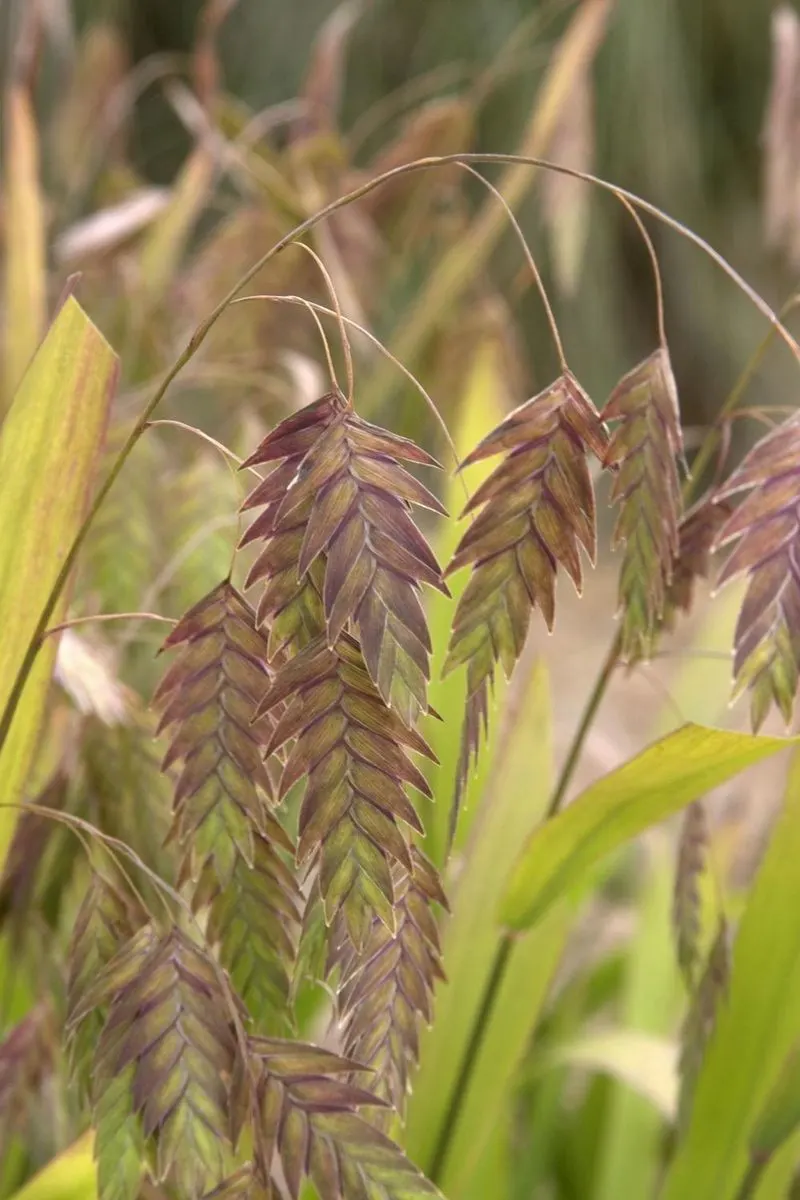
(49,445)
(756,1028)
(661,780)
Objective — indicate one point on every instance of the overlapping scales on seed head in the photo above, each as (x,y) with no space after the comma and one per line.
(291,603)
(701,1019)
(353,752)
(696,532)
(691,864)
(162,1065)
(534,512)
(338,531)
(643,449)
(255,922)
(305,1113)
(386,990)
(106,920)
(766,528)
(208,698)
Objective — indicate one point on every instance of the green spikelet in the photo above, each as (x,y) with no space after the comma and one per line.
(701,1018)
(337,527)
(643,450)
(305,1113)
(208,698)
(163,1063)
(536,509)
(692,851)
(386,991)
(766,528)
(255,922)
(352,750)
(107,918)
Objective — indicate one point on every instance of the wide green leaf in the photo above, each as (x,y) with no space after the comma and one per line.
(661,780)
(756,1028)
(49,445)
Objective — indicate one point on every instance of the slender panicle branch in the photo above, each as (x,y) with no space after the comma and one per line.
(204,328)
(346,351)
(535,272)
(651,250)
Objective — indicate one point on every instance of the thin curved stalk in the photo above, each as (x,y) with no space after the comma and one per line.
(204,328)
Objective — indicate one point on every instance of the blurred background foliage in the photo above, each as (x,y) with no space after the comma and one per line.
(172,142)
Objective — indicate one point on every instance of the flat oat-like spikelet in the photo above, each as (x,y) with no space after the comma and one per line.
(387,990)
(537,507)
(163,1064)
(644,447)
(244,1184)
(208,698)
(701,1018)
(305,1113)
(338,520)
(692,850)
(107,918)
(255,922)
(766,527)
(697,529)
(352,749)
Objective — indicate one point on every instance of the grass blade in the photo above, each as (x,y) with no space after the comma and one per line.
(70,1176)
(629,1158)
(48,449)
(656,783)
(755,1029)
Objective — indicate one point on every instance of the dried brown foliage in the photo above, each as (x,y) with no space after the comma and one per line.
(643,450)
(341,547)
(701,1018)
(208,698)
(386,990)
(305,1115)
(692,850)
(536,508)
(766,528)
(352,750)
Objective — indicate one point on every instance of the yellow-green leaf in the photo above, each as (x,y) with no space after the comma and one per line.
(49,445)
(661,780)
(756,1027)
(69,1176)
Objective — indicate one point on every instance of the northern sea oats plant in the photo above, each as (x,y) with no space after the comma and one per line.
(258,1018)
